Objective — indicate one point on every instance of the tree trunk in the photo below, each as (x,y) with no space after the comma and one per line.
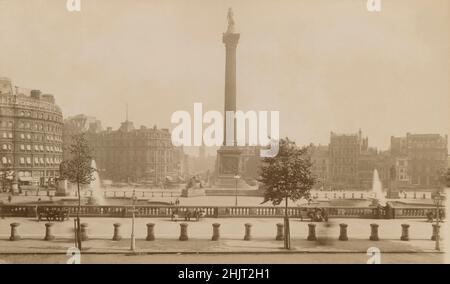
(78,225)
(287,237)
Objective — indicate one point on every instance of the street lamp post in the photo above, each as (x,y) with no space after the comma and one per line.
(236,178)
(438,199)
(133,240)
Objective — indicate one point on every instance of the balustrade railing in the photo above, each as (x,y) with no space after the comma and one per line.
(13,210)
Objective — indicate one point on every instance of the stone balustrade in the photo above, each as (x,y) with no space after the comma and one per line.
(13,210)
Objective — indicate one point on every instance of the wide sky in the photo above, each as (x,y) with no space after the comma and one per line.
(326,65)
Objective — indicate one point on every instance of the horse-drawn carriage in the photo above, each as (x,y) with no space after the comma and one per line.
(52,214)
(187,214)
(314,214)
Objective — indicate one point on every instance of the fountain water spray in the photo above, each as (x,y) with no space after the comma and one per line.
(377,189)
(95,186)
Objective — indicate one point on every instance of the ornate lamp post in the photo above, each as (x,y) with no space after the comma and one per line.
(133,211)
(236,178)
(438,199)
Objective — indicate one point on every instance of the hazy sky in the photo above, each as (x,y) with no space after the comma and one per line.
(326,65)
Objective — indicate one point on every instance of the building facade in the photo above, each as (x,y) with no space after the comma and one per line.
(344,151)
(419,159)
(319,157)
(31,127)
(353,162)
(144,155)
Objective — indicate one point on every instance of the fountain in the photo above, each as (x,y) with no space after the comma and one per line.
(95,188)
(377,190)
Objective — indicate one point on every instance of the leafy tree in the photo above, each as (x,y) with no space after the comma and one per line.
(287,176)
(78,170)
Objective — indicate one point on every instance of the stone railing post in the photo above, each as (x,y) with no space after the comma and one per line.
(48,232)
(183,232)
(150,232)
(405,232)
(343,232)
(280,232)
(117,236)
(84,234)
(216,232)
(312,232)
(14,234)
(248,232)
(374,232)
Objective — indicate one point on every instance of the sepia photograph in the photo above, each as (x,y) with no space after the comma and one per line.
(227,132)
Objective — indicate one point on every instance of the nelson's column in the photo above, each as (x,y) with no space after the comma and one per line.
(233,160)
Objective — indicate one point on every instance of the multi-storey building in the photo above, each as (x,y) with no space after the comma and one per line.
(140,155)
(419,159)
(368,161)
(344,151)
(320,164)
(353,162)
(399,156)
(31,128)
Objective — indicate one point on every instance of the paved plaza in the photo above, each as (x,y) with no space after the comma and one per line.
(100,232)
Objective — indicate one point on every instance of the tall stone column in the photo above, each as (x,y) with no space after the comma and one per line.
(230,159)
(230,39)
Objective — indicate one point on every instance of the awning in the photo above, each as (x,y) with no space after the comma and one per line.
(26,179)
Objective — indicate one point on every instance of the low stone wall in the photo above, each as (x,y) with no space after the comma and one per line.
(13,210)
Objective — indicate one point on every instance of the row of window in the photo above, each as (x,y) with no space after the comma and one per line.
(6,124)
(40,126)
(33,114)
(35,174)
(41,148)
(36,160)
(36,137)
(428,156)
(40,160)
(38,148)
(40,115)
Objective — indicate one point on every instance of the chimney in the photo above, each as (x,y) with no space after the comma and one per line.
(36,94)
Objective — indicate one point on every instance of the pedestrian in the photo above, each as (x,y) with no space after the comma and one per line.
(10,198)
(325,214)
(187,215)
(37,208)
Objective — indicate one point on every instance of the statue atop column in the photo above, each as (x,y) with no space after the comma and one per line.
(231,23)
